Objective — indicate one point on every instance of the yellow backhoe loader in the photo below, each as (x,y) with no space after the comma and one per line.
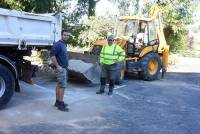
(144,43)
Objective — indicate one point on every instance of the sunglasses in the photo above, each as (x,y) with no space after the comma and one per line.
(110,40)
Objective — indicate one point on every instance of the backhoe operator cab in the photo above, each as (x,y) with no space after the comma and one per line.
(138,33)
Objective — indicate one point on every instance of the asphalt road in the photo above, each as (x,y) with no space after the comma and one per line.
(167,106)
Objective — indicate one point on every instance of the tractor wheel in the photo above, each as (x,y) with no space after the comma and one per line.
(7,85)
(151,65)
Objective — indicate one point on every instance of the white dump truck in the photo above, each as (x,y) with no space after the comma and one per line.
(20,32)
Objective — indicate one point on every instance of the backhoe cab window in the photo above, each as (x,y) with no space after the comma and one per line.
(146,36)
(152,32)
(142,36)
(127,28)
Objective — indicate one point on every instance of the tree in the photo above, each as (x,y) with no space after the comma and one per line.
(128,7)
(84,7)
(35,6)
(11,4)
(87,33)
(91,7)
(177,14)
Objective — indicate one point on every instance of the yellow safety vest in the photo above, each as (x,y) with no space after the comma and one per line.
(110,54)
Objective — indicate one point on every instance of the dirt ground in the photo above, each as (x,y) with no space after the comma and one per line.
(167,106)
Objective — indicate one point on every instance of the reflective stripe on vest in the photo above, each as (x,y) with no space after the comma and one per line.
(107,56)
(113,54)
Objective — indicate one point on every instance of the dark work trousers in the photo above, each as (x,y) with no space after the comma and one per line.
(119,67)
(108,72)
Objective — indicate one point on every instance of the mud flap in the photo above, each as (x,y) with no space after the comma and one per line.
(17,87)
(25,70)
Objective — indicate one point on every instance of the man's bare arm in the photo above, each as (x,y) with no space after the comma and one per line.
(55,62)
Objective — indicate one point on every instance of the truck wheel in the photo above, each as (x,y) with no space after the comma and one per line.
(151,65)
(7,85)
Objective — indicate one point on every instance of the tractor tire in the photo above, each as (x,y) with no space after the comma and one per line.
(7,85)
(151,65)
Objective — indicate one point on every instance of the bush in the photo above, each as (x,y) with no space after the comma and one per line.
(177,41)
(87,33)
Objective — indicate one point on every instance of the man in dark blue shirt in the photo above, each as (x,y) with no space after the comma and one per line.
(60,60)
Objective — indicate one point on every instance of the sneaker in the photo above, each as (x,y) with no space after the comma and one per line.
(57,103)
(99,92)
(64,109)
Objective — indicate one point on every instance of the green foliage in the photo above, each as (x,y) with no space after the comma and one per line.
(97,28)
(75,32)
(87,33)
(128,7)
(11,4)
(83,7)
(177,41)
(123,7)
(176,14)
(91,7)
(36,6)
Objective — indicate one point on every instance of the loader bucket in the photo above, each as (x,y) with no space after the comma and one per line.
(84,67)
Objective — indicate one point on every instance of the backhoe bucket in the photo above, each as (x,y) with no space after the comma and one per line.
(84,67)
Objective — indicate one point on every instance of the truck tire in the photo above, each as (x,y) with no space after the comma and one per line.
(7,85)
(151,65)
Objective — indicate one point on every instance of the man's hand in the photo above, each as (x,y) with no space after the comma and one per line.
(59,68)
(54,61)
(116,61)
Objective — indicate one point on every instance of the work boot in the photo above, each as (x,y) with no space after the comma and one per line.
(101,90)
(111,84)
(62,107)
(102,87)
(57,103)
(111,87)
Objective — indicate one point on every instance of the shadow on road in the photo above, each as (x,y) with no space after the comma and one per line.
(188,77)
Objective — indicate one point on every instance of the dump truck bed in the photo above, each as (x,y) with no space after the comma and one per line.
(34,29)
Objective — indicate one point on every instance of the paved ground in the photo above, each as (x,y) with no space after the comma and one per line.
(167,106)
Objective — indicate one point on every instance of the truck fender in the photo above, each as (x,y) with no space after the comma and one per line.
(11,66)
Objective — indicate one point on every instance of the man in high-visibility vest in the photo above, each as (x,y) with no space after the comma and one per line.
(111,55)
